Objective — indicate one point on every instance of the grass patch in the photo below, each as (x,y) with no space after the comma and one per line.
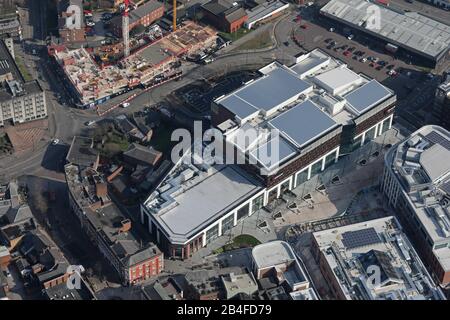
(241,241)
(23,69)
(109,142)
(233,36)
(260,41)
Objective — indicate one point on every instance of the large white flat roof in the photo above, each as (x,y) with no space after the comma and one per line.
(199,205)
(336,80)
(272,253)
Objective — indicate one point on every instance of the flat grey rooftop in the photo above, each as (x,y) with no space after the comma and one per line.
(265,93)
(274,152)
(309,63)
(263,10)
(272,253)
(303,123)
(338,79)
(206,201)
(409,30)
(367,96)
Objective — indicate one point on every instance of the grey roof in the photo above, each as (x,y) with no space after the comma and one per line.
(81,152)
(7,63)
(205,202)
(303,123)
(140,153)
(219,7)
(432,161)
(367,96)
(308,64)
(264,10)
(266,93)
(19,214)
(241,108)
(235,15)
(409,30)
(281,148)
(139,13)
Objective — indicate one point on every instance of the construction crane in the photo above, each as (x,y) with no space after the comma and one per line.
(174,15)
(125,29)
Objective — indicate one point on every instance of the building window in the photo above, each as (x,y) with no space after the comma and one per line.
(385,125)
(316,168)
(370,135)
(330,159)
(258,203)
(178,252)
(227,223)
(212,233)
(284,187)
(357,143)
(243,212)
(302,177)
(273,195)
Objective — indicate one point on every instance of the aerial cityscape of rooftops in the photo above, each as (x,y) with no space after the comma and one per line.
(225,150)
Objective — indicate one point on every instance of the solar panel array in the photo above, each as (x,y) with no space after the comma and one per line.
(435,137)
(360,238)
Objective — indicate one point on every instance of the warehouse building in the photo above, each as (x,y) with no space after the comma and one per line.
(315,110)
(416,181)
(417,35)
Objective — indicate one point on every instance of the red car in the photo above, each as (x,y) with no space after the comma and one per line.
(304,26)
(346,53)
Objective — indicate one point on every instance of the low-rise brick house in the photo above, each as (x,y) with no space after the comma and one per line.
(225,15)
(144,15)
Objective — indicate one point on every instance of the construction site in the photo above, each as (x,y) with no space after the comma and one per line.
(98,74)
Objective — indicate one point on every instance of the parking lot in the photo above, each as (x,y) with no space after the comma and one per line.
(358,52)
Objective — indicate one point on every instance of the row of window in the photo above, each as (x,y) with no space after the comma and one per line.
(228,222)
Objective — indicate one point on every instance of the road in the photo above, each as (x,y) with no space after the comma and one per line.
(66,122)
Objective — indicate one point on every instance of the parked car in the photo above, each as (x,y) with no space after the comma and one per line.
(331,29)
(125,105)
(350,37)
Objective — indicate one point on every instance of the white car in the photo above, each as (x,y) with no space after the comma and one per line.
(55,142)
(331,29)
(350,37)
(363,60)
(125,105)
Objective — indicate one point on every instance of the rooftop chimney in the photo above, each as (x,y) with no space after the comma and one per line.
(126,225)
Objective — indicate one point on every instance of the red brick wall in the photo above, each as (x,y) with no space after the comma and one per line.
(237,24)
(147,269)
